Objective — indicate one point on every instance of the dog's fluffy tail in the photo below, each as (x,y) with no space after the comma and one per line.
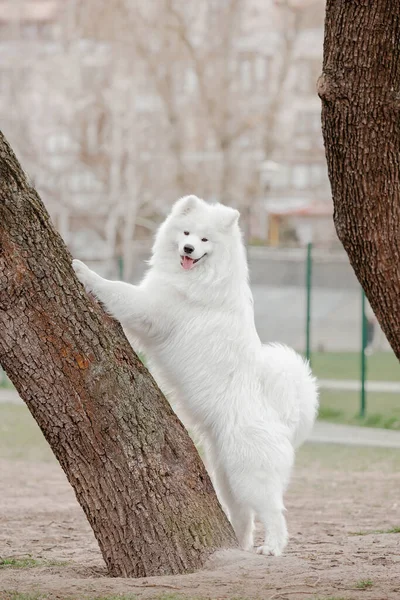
(291,389)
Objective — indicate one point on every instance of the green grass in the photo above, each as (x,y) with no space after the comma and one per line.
(123,597)
(117,597)
(20,436)
(338,406)
(374,531)
(364,584)
(8,595)
(39,596)
(4,381)
(381,366)
(19,563)
(346,459)
(20,596)
(27,562)
(327,598)
(383,410)
(166,596)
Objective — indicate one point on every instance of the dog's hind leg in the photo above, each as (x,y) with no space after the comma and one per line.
(240,515)
(270,510)
(258,477)
(264,497)
(242,519)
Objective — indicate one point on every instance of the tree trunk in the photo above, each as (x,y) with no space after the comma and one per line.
(133,467)
(360,92)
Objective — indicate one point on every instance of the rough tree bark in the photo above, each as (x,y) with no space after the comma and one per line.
(133,467)
(360,92)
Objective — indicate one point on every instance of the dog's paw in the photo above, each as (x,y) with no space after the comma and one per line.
(84,274)
(269,550)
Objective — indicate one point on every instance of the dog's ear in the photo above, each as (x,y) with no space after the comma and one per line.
(231,218)
(185,205)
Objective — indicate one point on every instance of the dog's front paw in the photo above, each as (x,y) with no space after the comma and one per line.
(84,274)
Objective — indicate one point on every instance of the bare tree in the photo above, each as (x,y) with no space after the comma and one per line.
(231,94)
(87,147)
(360,118)
(139,102)
(134,469)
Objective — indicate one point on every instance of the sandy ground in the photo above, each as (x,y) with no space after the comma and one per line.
(39,516)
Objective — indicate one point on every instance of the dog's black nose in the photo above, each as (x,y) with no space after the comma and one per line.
(188,249)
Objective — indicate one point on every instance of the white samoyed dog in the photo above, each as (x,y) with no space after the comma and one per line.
(252,404)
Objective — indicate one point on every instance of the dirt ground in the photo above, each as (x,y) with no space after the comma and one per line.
(336,492)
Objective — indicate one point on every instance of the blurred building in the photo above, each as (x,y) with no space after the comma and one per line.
(117,108)
(297,196)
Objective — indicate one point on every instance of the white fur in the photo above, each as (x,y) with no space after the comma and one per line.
(252,404)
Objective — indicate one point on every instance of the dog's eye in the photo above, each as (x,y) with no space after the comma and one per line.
(185,233)
(204,239)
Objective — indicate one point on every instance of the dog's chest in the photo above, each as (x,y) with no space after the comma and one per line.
(200,353)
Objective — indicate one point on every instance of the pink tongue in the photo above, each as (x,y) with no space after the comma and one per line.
(187,263)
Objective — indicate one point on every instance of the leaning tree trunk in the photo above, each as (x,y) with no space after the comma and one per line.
(133,467)
(360,92)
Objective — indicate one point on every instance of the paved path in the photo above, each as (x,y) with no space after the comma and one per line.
(349,385)
(323,432)
(350,435)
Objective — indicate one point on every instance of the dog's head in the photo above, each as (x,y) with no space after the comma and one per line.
(197,236)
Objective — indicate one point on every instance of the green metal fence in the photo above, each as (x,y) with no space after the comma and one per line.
(330,321)
(342,376)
